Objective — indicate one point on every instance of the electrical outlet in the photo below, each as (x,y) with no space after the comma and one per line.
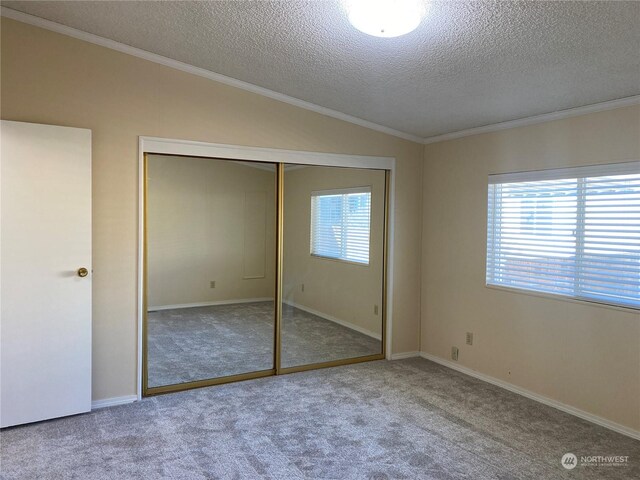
(469,338)
(454,353)
(302,287)
(212,284)
(375,309)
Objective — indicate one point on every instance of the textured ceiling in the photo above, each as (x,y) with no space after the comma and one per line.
(467,65)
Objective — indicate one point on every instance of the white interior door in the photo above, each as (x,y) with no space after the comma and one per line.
(45,305)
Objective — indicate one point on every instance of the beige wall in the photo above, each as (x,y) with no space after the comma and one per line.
(208,220)
(54,79)
(345,291)
(580,354)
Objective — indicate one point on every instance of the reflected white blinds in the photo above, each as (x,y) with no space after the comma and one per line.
(340,224)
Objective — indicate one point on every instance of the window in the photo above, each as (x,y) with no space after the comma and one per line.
(340,224)
(572,232)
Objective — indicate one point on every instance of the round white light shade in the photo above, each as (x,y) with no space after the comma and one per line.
(386,18)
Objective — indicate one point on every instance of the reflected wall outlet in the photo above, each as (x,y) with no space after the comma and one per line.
(375,309)
(212,284)
(454,353)
(469,338)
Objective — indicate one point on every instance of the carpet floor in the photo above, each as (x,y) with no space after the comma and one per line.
(406,419)
(198,343)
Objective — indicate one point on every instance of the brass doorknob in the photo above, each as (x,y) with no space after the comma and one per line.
(83,272)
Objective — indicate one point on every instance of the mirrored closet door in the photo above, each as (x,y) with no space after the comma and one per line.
(254,269)
(210,271)
(333,265)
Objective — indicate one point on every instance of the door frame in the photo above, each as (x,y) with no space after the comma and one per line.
(168,146)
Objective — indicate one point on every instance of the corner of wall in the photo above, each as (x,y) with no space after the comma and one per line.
(422,227)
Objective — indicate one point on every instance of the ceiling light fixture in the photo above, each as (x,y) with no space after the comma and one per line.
(386,18)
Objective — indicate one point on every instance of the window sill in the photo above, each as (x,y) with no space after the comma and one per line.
(339,260)
(563,298)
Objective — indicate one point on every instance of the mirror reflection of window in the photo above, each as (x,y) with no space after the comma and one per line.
(340,224)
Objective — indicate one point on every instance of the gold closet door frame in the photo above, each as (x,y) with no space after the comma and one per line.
(277,370)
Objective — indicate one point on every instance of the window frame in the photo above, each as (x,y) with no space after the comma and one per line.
(340,191)
(574,173)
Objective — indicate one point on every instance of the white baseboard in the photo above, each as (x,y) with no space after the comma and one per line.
(209,304)
(403,355)
(603,422)
(344,323)
(112,402)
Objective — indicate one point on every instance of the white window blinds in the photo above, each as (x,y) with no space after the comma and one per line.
(340,224)
(572,232)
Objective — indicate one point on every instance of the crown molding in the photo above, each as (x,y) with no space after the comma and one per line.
(545,117)
(201,72)
(265,92)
